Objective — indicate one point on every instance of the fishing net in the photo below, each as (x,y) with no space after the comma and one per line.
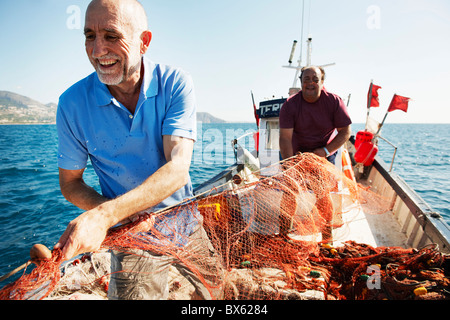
(273,239)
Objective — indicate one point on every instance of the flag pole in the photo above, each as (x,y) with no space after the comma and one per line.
(369,101)
(254,110)
(385,115)
(381,124)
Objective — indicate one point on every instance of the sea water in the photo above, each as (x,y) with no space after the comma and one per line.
(32,209)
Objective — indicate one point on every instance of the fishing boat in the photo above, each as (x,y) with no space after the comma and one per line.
(408,226)
(410,222)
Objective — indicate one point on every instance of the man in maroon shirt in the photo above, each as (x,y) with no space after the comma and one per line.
(313,120)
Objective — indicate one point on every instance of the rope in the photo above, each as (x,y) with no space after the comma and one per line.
(9,274)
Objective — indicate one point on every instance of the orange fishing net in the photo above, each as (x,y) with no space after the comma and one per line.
(273,240)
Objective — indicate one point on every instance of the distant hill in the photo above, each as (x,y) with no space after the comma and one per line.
(15,108)
(205,117)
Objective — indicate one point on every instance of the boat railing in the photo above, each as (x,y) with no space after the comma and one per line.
(395,150)
(235,145)
(234,141)
(431,222)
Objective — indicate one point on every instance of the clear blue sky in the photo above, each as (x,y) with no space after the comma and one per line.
(235,46)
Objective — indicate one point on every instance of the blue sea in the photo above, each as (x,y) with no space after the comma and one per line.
(32,209)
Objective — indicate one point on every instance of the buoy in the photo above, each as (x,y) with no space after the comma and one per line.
(420,291)
(76,261)
(366,153)
(366,150)
(362,136)
(347,165)
(40,252)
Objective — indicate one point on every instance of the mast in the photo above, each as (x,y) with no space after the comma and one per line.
(296,86)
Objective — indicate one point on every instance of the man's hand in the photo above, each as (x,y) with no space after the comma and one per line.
(286,143)
(320,152)
(83,234)
(342,136)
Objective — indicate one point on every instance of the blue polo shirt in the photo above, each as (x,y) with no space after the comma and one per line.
(124,148)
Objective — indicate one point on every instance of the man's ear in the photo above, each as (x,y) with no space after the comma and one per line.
(146,38)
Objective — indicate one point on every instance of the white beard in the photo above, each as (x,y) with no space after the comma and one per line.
(115,77)
(110,79)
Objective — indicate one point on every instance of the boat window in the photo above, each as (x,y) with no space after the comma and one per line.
(272,135)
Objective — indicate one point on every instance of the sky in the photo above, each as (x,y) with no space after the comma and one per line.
(235,47)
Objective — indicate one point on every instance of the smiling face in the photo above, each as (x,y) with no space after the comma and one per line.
(114,41)
(312,84)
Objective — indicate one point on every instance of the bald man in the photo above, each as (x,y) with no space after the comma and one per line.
(313,120)
(136,122)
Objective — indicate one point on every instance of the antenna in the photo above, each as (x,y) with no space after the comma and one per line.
(292,52)
(295,86)
(309,53)
(301,35)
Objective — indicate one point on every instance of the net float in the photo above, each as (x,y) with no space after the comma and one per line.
(40,252)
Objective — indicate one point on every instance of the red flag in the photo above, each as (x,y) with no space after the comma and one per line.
(399,103)
(372,97)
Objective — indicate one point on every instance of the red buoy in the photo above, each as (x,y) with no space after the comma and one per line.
(366,153)
(363,136)
(366,150)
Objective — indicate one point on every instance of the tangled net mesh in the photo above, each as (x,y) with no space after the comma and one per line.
(272,240)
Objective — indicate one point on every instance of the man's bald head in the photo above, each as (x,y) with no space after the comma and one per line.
(117,36)
(131,11)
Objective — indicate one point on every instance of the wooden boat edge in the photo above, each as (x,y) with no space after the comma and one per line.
(421,224)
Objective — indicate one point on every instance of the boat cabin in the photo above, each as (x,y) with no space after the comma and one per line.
(267,141)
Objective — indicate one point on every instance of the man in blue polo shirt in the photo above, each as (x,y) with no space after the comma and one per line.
(136,122)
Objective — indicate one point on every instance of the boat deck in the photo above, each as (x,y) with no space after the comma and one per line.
(377,230)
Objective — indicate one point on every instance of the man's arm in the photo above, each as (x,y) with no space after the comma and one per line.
(286,149)
(342,136)
(76,191)
(87,232)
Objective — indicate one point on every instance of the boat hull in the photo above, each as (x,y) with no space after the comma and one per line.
(418,221)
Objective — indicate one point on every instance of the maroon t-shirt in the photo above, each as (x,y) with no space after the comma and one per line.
(314,123)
